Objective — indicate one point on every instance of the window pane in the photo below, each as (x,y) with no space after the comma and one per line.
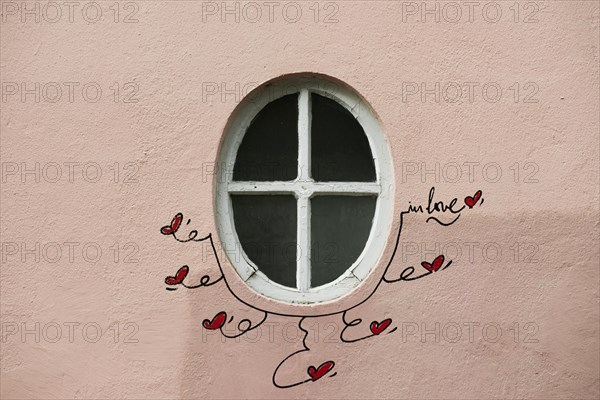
(269,150)
(340,149)
(340,229)
(266,227)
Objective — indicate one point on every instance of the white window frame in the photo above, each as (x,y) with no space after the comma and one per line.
(303,188)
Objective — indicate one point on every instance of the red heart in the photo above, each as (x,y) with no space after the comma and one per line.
(179,276)
(471,201)
(437,263)
(175,223)
(317,373)
(378,327)
(217,321)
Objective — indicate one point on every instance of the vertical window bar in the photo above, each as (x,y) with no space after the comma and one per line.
(304,120)
(303,264)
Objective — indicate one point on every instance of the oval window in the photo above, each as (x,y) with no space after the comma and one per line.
(303,196)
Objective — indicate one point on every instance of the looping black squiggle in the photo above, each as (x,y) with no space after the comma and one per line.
(204,282)
(242,330)
(442,223)
(304,348)
(358,321)
(178,280)
(192,237)
(406,274)
(352,323)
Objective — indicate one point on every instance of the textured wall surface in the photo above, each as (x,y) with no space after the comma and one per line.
(90,177)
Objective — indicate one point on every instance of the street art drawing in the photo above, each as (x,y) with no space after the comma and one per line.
(439,212)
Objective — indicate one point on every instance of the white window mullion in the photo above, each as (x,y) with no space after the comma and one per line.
(303,236)
(346,188)
(247,187)
(303,265)
(304,120)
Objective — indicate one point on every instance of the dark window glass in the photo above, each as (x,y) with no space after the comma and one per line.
(269,150)
(340,229)
(266,227)
(340,149)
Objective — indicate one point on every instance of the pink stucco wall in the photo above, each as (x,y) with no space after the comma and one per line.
(525,261)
